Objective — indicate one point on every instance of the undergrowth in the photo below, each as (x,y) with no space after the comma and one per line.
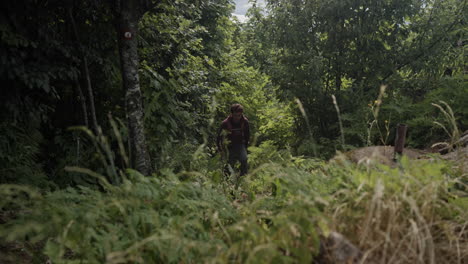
(278,213)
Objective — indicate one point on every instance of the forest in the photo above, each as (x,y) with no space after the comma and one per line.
(110,115)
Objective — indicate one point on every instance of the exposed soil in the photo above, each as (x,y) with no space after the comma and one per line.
(383,152)
(385,155)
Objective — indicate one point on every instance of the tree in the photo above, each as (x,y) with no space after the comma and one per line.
(128,14)
(350,48)
(85,67)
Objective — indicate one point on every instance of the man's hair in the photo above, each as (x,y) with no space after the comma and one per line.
(236,108)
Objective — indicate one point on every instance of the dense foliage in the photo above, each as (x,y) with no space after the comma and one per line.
(315,77)
(277,215)
(315,49)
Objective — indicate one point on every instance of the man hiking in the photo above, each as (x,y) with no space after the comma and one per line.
(234,135)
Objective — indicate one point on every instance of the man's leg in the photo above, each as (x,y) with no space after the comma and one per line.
(243,160)
(238,153)
(233,157)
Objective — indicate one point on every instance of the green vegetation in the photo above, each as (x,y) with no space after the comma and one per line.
(277,215)
(108,148)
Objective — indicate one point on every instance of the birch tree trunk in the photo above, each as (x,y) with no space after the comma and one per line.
(128,15)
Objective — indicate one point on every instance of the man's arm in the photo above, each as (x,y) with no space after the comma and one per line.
(246,133)
(220,138)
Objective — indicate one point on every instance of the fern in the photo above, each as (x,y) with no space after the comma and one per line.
(277,215)
(19,158)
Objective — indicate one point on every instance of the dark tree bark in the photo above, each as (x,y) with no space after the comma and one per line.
(90,94)
(128,14)
(82,99)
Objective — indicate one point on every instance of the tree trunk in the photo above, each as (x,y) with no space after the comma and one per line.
(128,15)
(90,94)
(84,109)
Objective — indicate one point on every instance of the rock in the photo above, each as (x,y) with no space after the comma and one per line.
(337,249)
(446,147)
(460,159)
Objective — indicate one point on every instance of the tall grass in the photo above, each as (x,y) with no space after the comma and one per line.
(278,215)
(375,109)
(452,130)
(337,108)
(406,214)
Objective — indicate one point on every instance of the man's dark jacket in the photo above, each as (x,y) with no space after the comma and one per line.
(236,134)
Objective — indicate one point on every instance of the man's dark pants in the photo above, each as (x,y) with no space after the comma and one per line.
(238,152)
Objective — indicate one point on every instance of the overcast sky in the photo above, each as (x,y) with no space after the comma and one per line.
(241,8)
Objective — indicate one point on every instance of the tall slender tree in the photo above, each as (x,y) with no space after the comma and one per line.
(85,70)
(128,13)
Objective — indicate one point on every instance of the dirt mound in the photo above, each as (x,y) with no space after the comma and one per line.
(382,154)
(385,155)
